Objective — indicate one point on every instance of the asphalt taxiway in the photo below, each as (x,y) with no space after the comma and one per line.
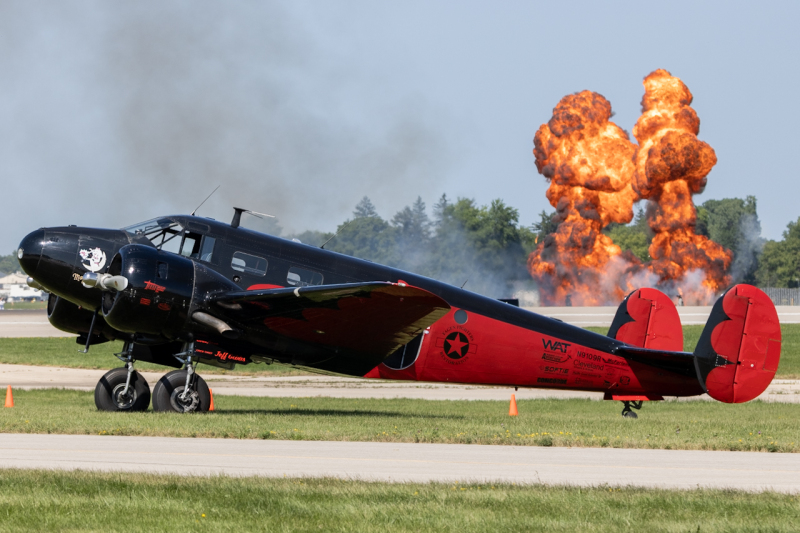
(399,462)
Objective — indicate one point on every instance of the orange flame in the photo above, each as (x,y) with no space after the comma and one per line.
(596,174)
(589,163)
(671,166)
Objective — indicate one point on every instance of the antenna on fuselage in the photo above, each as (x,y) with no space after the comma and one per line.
(335,234)
(204,201)
(237,215)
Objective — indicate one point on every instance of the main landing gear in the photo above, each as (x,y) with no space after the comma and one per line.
(179,391)
(182,391)
(122,389)
(626,411)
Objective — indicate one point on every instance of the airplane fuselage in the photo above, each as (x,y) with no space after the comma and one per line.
(480,340)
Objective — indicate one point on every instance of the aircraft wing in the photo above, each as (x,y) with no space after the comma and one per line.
(348,328)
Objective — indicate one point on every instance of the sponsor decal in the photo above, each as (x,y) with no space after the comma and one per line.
(624,380)
(94,259)
(164,306)
(587,365)
(556,358)
(552,381)
(590,356)
(582,381)
(150,286)
(555,346)
(456,345)
(144,301)
(225,356)
(610,361)
(554,370)
(77,277)
(586,374)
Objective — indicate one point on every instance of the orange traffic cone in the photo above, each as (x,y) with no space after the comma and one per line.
(512,409)
(211,393)
(9,397)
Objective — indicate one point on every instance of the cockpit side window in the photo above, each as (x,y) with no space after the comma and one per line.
(191,245)
(207,248)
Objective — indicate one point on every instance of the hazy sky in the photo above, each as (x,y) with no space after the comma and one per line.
(114,112)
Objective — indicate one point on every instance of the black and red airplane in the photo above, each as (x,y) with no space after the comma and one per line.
(183,290)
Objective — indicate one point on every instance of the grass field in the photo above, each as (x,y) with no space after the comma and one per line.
(88,501)
(696,425)
(16,306)
(64,352)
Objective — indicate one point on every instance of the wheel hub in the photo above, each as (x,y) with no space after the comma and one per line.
(124,400)
(184,403)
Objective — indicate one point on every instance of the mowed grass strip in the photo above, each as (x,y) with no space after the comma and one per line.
(91,501)
(692,425)
(63,351)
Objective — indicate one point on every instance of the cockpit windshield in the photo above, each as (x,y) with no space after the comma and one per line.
(162,232)
(169,236)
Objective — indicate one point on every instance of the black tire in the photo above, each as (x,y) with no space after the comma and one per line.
(629,414)
(107,393)
(168,394)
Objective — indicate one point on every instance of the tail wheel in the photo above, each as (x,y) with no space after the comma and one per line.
(110,393)
(170,394)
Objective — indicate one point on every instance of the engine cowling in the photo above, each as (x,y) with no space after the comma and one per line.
(163,292)
(68,317)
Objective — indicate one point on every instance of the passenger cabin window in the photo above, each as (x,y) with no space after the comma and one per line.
(300,277)
(249,264)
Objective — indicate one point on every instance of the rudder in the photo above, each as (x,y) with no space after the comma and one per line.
(740,347)
(647,318)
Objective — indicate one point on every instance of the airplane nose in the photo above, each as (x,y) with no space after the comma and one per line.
(30,251)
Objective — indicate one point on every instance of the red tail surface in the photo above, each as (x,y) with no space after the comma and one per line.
(647,318)
(740,348)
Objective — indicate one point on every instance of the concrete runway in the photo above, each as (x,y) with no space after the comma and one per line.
(399,462)
(35,324)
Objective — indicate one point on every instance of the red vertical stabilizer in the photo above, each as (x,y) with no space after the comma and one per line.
(647,318)
(740,348)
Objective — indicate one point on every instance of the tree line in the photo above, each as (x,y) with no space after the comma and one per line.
(485,248)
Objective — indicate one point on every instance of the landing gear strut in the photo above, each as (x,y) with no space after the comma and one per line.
(626,411)
(122,389)
(182,391)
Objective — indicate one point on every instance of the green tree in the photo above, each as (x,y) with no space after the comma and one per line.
(365,209)
(733,223)
(634,237)
(9,263)
(545,226)
(366,236)
(779,264)
(482,246)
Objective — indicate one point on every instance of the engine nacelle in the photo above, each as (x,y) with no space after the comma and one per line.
(164,290)
(68,317)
